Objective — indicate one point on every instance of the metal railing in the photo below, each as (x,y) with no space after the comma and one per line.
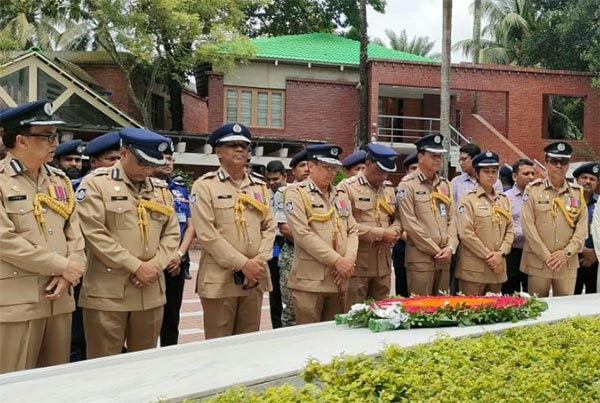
(394,129)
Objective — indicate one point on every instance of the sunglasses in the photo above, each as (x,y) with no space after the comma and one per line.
(50,138)
(558,161)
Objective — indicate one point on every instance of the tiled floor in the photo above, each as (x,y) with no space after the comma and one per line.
(190,326)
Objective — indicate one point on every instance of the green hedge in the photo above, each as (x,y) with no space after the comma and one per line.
(542,363)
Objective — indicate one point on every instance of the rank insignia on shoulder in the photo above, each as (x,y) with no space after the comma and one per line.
(114,173)
(81,194)
(208,175)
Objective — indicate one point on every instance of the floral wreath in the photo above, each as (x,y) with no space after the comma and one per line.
(444,310)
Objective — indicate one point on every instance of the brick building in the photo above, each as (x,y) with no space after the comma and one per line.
(305,87)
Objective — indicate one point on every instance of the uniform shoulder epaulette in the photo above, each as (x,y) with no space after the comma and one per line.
(408,177)
(158,182)
(1,167)
(474,190)
(575,185)
(388,183)
(340,189)
(258,179)
(56,171)
(208,175)
(536,182)
(348,181)
(101,171)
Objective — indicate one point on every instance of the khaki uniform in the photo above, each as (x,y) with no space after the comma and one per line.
(35,331)
(324,230)
(374,210)
(232,224)
(427,215)
(552,219)
(115,311)
(484,226)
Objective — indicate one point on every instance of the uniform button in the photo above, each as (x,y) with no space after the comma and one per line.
(108,269)
(44,210)
(53,274)
(146,249)
(50,231)
(119,209)
(21,210)
(250,242)
(16,273)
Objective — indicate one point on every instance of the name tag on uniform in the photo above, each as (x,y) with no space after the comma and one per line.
(421,192)
(224,197)
(442,210)
(17,197)
(118,198)
(181,217)
(317,206)
(543,201)
(364,199)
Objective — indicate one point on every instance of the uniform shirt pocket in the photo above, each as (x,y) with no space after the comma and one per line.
(107,283)
(543,212)
(119,215)
(17,288)
(224,212)
(21,214)
(422,203)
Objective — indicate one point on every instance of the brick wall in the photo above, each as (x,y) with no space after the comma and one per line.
(522,104)
(195,113)
(314,110)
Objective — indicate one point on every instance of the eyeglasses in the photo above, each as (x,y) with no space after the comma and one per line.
(235,144)
(558,161)
(50,138)
(328,167)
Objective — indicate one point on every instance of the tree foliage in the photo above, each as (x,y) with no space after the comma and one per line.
(418,45)
(291,17)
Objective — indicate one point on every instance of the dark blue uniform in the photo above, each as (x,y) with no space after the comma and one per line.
(169,332)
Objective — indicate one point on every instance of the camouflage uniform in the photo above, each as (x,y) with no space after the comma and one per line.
(286,257)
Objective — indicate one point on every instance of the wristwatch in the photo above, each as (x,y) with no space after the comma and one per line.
(180,253)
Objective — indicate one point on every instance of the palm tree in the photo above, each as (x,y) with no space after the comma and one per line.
(418,45)
(509,23)
(27,29)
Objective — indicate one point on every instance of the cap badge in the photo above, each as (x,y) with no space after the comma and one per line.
(79,149)
(48,108)
(162,147)
(595,169)
(437,139)
(561,147)
(334,152)
(488,154)
(237,128)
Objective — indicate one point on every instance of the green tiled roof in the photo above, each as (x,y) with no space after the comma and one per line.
(325,48)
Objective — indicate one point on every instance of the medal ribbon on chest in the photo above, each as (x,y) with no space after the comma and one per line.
(383,203)
(64,209)
(258,201)
(441,193)
(570,212)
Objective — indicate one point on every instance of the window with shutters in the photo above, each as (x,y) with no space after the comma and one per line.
(255,107)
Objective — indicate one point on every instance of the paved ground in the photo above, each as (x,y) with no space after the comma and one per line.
(190,327)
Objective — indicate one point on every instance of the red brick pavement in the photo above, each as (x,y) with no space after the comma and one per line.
(191,327)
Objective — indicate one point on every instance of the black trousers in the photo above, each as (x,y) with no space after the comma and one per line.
(517,280)
(275,304)
(169,332)
(587,276)
(78,345)
(398,254)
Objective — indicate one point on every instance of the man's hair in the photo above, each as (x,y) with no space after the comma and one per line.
(472,149)
(276,166)
(519,163)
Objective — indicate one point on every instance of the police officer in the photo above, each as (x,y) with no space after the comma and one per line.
(42,247)
(354,163)
(325,239)
(398,252)
(374,207)
(555,225)
(299,166)
(587,176)
(67,157)
(427,215)
(131,235)
(104,150)
(178,268)
(485,229)
(236,230)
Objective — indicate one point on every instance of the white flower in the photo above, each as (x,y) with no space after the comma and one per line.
(393,313)
(523,294)
(356,309)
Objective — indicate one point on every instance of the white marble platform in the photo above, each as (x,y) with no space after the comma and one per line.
(201,368)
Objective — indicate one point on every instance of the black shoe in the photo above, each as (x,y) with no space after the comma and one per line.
(187,274)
